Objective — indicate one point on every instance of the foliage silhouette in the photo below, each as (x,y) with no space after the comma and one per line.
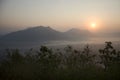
(66,64)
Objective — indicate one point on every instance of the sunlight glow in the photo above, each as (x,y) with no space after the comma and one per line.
(93,25)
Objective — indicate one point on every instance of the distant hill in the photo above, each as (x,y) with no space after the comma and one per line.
(32,34)
(41,33)
(78,34)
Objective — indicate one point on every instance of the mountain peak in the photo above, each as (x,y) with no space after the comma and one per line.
(39,27)
(74,30)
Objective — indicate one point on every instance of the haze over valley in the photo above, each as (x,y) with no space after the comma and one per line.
(59,39)
(41,35)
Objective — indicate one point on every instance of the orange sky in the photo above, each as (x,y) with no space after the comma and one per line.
(60,14)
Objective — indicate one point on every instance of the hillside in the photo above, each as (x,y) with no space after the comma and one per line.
(42,33)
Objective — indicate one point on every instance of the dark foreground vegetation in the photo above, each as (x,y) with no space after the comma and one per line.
(66,64)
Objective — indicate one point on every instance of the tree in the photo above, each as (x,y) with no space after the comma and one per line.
(109,56)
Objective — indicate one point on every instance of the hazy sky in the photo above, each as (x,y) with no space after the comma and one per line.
(59,14)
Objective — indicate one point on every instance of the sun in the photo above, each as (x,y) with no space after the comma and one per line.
(93,25)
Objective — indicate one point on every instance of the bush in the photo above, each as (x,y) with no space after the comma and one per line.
(66,64)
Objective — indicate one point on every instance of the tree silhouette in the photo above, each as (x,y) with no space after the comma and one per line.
(109,55)
(61,64)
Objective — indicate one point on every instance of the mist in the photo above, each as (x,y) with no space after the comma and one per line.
(59,39)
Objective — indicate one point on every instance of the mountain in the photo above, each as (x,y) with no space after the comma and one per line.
(78,32)
(33,34)
(41,33)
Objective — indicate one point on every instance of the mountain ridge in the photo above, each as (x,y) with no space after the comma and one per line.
(42,33)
